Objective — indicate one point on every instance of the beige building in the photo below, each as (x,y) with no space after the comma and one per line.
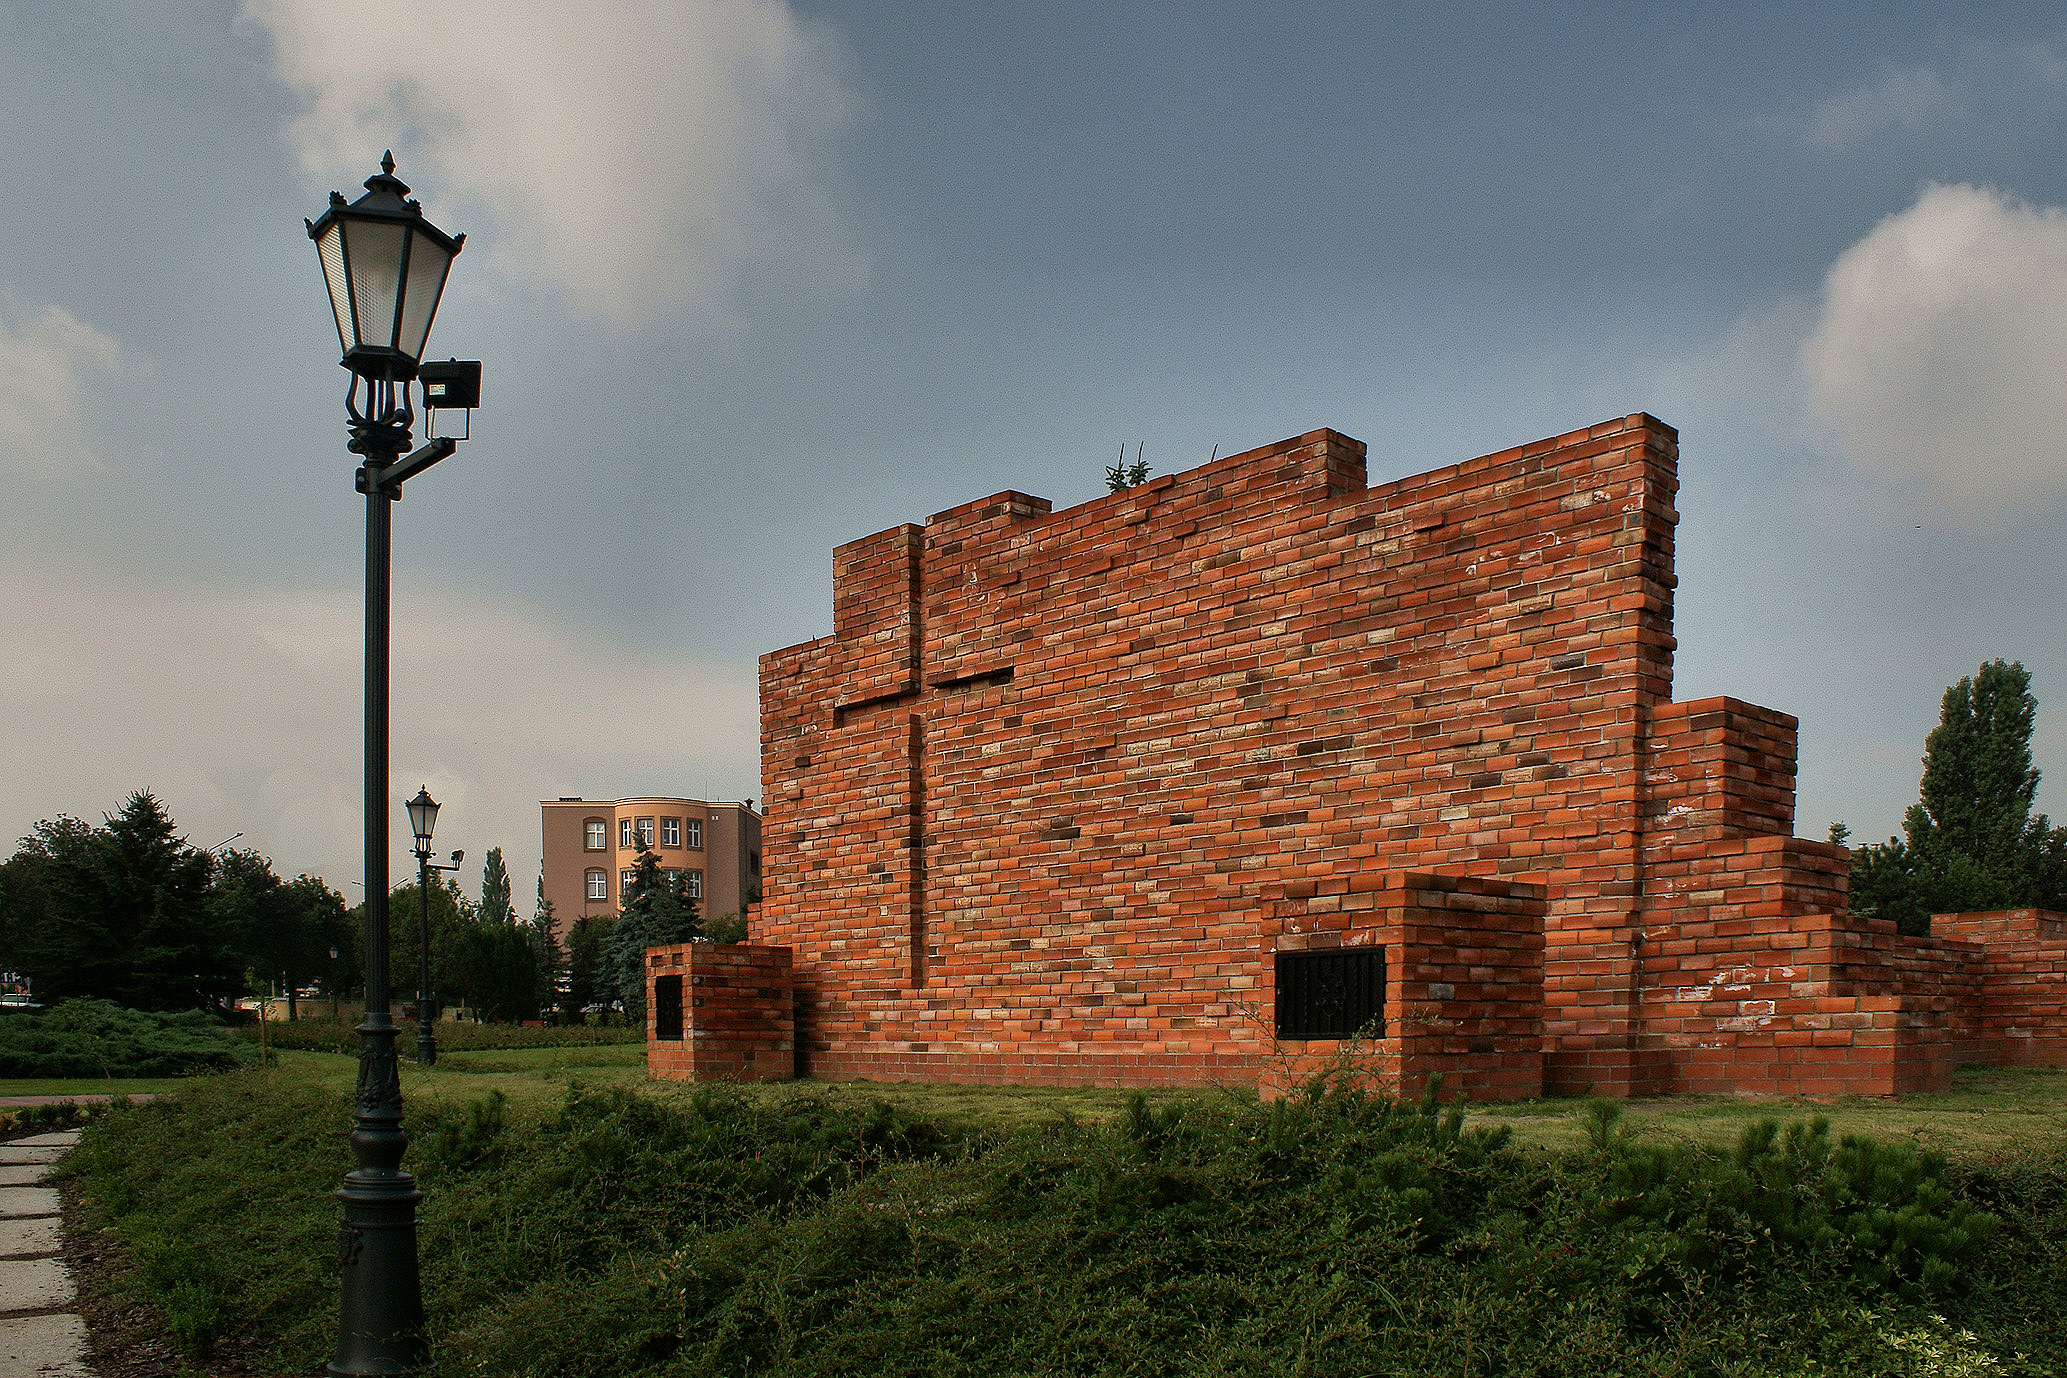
(592,847)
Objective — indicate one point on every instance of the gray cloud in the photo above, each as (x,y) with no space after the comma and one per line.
(635,155)
(240,707)
(1909,99)
(48,361)
(1935,361)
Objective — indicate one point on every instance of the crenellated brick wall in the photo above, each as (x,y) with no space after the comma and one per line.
(1038,808)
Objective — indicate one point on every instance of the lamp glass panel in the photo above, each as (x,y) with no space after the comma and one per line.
(428,265)
(373,252)
(423,817)
(331,249)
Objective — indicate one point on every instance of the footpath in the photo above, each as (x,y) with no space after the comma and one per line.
(40,1331)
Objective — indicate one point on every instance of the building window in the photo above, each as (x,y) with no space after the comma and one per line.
(595,836)
(645,832)
(599,886)
(624,833)
(670,832)
(671,875)
(696,832)
(753,863)
(696,885)
(624,881)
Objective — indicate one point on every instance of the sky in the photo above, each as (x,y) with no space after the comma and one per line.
(753,279)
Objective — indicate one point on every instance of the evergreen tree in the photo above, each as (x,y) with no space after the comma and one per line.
(587,962)
(120,913)
(1970,841)
(545,944)
(657,909)
(495,891)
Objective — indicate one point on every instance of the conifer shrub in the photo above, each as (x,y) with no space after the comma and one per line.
(1331,1232)
(98,1038)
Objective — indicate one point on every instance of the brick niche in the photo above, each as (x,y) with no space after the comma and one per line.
(735,1013)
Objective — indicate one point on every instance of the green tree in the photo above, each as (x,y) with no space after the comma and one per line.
(120,912)
(495,890)
(283,930)
(657,909)
(545,945)
(1971,841)
(496,968)
(587,963)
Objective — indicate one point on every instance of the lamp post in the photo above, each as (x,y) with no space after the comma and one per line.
(423,817)
(385,268)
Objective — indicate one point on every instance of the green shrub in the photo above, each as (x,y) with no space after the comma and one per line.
(96,1038)
(1328,1233)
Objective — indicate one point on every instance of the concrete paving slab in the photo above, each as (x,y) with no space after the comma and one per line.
(47,1346)
(16,1202)
(34,1284)
(28,1238)
(64,1138)
(22,1174)
(32,1153)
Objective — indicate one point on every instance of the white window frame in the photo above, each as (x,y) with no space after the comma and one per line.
(625,878)
(696,834)
(643,832)
(624,833)
(670,832)
(696,885)
(595,835)
(598,884)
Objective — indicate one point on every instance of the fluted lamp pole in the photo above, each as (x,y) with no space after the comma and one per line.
(385,268)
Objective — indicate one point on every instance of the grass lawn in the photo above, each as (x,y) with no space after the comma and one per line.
(1990,1111)
(86,1086)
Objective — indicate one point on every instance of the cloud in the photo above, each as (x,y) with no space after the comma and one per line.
(638,154)
(48,359)
(1910,99)
(1936,358)
(241,709)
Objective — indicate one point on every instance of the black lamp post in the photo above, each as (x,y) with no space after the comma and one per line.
(385,266)
(423,817)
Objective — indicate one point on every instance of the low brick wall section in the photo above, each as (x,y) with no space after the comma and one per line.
(2021,1006)
(1463,980)
(720,1012)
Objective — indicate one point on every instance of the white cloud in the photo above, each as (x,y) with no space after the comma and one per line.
(47,360)
(241,710)
(637,154)
(1936,360)
(1910,99)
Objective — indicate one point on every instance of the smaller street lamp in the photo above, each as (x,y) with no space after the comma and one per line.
(423,817)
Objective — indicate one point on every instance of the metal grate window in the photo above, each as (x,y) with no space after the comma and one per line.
(1335,993)
(667,1007)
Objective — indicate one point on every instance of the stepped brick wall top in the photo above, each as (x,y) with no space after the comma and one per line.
(1060,785)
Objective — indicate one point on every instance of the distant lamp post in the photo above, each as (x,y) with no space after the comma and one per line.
(423,817)
(385,267)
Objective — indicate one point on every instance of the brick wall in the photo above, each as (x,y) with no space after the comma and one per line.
(1044,804)
(737,1021)
(1023,804)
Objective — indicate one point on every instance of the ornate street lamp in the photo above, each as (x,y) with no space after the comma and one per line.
(385,266)
(423,817)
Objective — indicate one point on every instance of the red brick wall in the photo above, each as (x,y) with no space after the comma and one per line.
(2020,1009)
(1464,980)
(1023,804)
(737,1023)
